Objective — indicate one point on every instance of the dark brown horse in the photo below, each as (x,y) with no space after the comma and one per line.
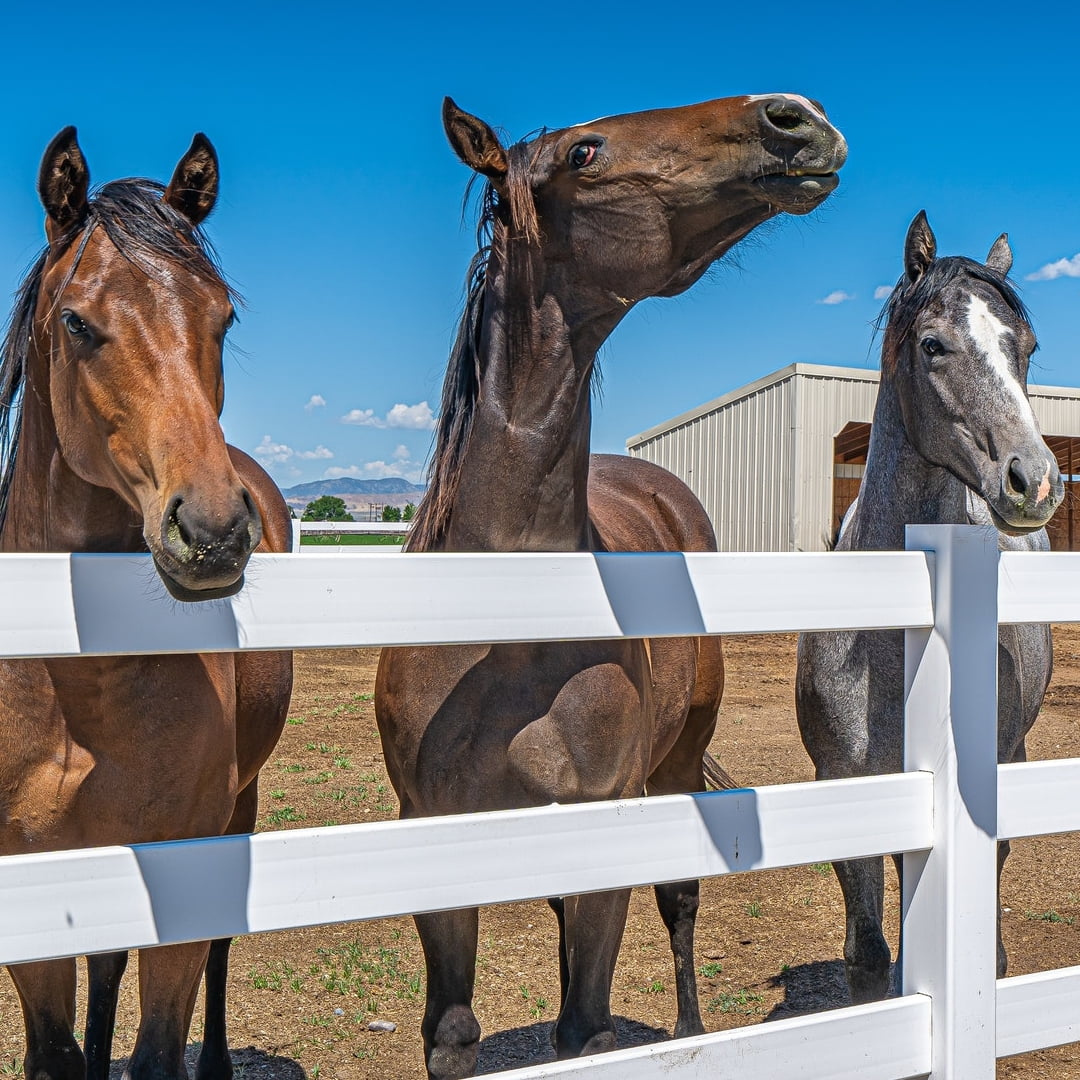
(110,392)
(582,223)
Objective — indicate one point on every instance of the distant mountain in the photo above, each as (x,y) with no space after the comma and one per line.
(347,485)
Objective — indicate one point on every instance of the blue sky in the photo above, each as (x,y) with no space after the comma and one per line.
(340,216)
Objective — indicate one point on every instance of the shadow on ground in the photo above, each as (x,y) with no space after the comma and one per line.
(531,1045)
(248,1062)
(810,988)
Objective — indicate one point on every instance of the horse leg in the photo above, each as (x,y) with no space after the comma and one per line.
(594,926)
(104,973)
(215,1062)
(558,905)
(168,983)
(681,771)
(450,1029)
(866,953)
(47,995)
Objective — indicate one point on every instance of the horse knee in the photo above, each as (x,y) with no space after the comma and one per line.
(451,1052)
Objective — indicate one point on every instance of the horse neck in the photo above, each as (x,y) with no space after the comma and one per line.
(525,470)
(899,486)
(50,508)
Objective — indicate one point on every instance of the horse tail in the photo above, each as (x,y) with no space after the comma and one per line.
(716,777)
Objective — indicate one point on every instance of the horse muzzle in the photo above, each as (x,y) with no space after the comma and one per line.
(1030,490)
(202,549)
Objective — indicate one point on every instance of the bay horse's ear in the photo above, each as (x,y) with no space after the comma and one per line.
(920,247)
(193,189)
(1000,257)
(474,142)
(63,183)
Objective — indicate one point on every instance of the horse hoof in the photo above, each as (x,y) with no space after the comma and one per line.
(453,1053)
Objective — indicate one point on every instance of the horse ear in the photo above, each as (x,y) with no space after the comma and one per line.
(1000,257)
(63,183)
(193,189)
(474,142)
(920,247)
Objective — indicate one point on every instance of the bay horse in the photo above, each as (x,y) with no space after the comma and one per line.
(954,441)
(111,388)
(581,224)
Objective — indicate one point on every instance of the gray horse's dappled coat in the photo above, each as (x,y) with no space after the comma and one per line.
(954,441)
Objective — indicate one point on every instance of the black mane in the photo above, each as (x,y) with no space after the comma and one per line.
(143,229)
(908,299)
(507,223)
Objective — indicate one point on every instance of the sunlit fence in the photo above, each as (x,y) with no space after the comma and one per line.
(945,813)
(344,529)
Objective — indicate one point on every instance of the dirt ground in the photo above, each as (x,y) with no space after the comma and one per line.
(768,944)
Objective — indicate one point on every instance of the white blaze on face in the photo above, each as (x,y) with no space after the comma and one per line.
(986,331)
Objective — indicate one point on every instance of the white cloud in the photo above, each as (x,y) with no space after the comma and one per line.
(363,417)
(377,470)
(401,452)
(316,401)
(318,454)
(270,452)
(1061,268)
(417,417)
(883,292)
(836,297)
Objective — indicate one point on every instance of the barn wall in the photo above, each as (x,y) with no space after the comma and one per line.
(736,455)
(826,402)
(761,458)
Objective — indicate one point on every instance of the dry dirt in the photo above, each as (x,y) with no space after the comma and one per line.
(768,944)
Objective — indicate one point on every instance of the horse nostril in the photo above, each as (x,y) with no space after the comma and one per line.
(175,534)
(1016,481)
(785,115)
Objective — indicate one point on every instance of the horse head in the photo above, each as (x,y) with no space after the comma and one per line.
(130,319)
(957,347)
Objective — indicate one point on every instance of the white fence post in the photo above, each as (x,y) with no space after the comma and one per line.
(950,892)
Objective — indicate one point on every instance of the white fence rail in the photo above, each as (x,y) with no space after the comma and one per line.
(350,528)
(945,814)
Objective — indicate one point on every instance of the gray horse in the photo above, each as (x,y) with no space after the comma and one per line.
(954,441)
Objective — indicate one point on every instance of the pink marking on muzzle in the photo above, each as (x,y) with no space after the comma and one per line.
(1044,485)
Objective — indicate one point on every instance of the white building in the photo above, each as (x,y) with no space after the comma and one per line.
(778,461)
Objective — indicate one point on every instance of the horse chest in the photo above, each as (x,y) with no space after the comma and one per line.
(105,751)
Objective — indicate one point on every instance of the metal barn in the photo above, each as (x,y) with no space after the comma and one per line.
(778,461)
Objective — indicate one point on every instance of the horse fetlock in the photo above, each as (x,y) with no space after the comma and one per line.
(867,965)
(451,1053)
(59,1062)
(600,1043)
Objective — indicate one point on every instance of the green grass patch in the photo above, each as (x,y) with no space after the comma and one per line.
(736,1001)
(353,540)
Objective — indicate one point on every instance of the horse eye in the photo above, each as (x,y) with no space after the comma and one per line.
(230,320)
(75,326)
(932,347)
(582,154)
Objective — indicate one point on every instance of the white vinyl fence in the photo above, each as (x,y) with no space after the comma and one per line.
(945,813)
(349,528)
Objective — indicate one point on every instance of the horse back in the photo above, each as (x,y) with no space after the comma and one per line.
(635,505)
